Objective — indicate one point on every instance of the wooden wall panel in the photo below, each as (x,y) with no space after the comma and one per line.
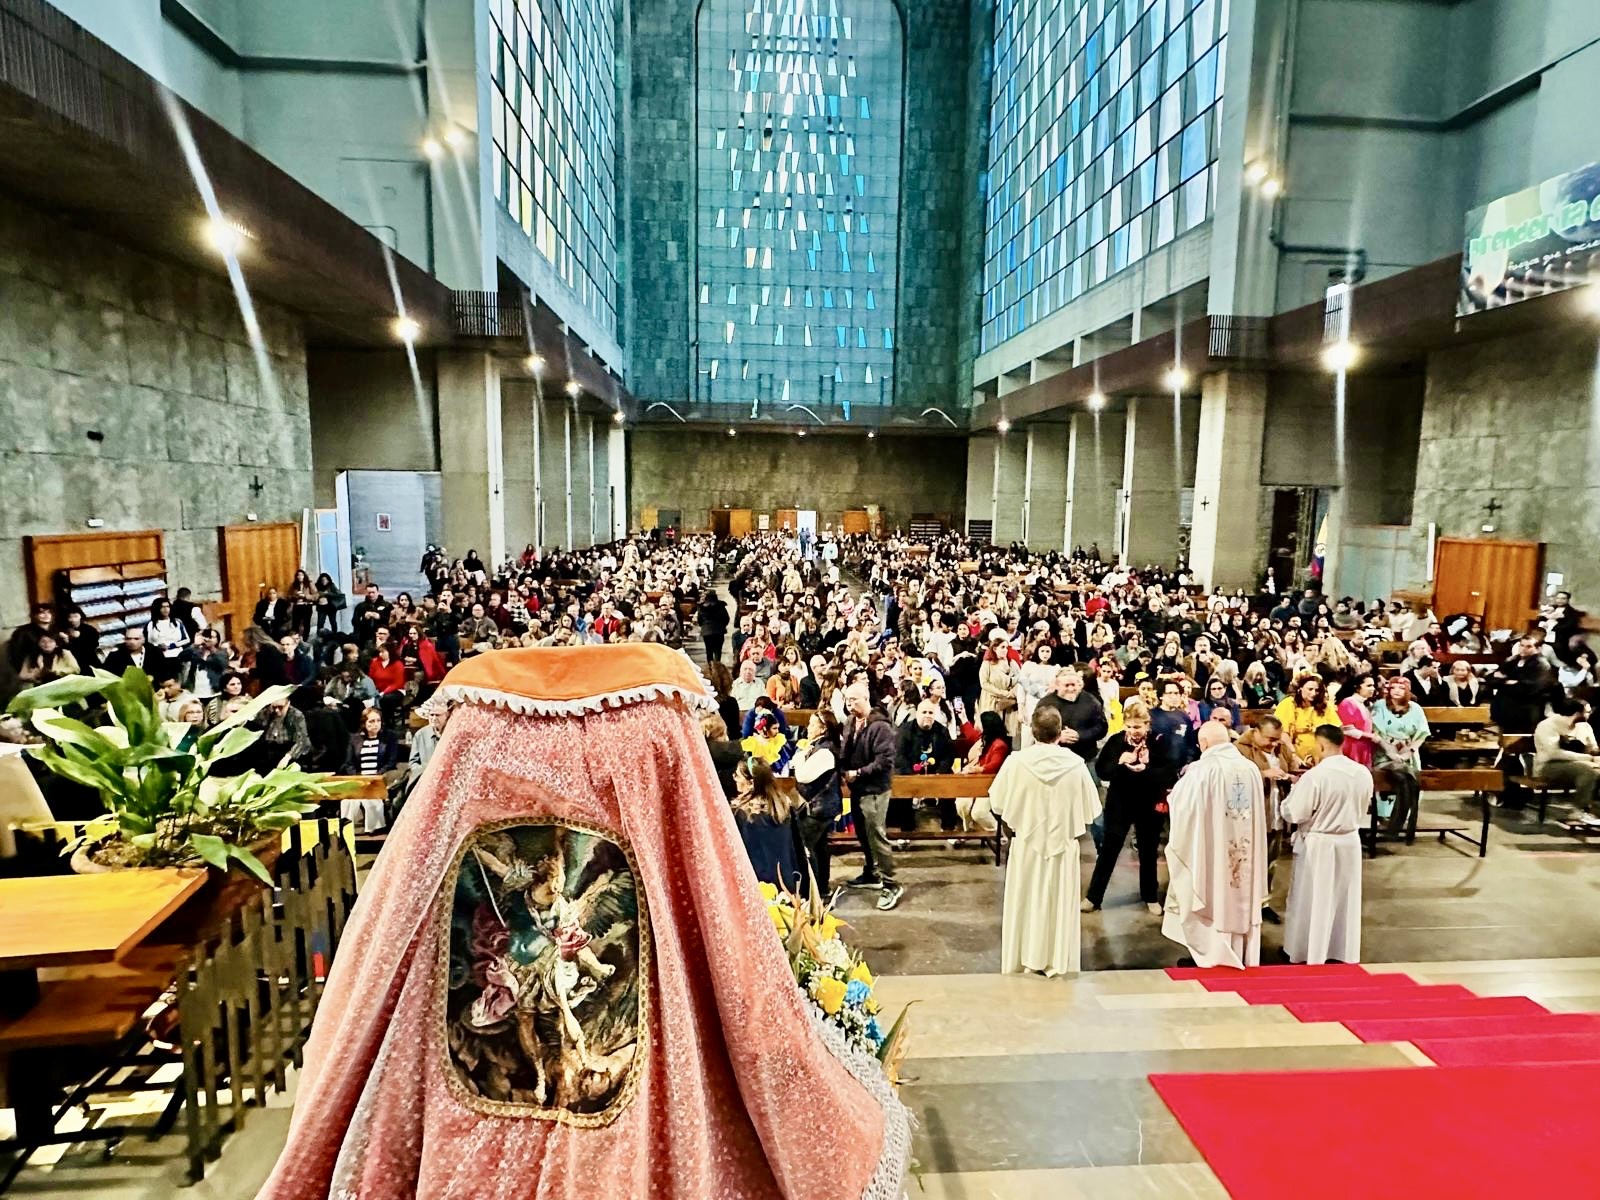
(855,520)
(740,522)
(253,558)
(44,556)
(1497,579)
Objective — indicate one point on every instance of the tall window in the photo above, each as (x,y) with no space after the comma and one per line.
(798,203)
(1103,132)
(553,111)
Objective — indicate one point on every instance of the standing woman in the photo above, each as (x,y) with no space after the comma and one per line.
(1302,710)
(997,682)
(302,603)
(168,640)
(330,602)
(816,774)
(1035,680)
(1135,788)
(1355,714)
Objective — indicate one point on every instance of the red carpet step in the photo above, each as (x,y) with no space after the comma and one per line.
(1285,971)
(1414,1132)
(1410,1029)
(1466,1005)
(1532,1047)
(1330,985)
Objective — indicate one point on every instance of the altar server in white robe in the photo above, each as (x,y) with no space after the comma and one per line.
(1327,807)
(1217,856)
(1047,797)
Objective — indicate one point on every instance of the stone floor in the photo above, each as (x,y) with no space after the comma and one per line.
(1026,1088)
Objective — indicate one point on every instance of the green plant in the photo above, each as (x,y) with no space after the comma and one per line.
(169,809)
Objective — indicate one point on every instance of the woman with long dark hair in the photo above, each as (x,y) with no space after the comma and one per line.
(168,641)
(762,812)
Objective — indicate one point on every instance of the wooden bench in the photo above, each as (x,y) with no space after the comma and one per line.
(1483,782)
(1518,748)
(367,787)
(935,787)
(95,1005)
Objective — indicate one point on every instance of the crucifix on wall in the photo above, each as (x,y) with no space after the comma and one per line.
(256,486)
(1491,508)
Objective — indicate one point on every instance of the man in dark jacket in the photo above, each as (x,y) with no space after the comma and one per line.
(1527,681)
(1083,721)
(713,619)
(868,755)
(925,749)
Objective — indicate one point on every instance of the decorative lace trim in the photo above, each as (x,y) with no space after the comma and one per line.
(888,1181)
(531,706)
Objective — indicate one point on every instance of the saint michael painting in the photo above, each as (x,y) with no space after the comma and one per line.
(543,999)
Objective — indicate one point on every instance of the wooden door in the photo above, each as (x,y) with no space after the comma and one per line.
(786,518)
(254,557)
(738,522)
(1498,579)
(854,520)
(717,522)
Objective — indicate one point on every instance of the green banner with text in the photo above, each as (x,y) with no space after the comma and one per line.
(1540,240)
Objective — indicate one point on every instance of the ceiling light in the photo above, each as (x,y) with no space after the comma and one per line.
(618,417)
(455,137)
(431,148)
(1590,297)
(1004,426)
(225,237)
(871,433)
(407,330)
(1271,188)
(732,432)
(535,363)
(573,387)
(1340,356)
(1097,401)
(1175,380)
(800,432)
(1255,172)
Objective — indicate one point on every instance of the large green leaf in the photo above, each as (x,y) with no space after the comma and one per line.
(213,850)
(73,770)
(57,693)
(233,742)
(250,863)
(59,728)
(133,706)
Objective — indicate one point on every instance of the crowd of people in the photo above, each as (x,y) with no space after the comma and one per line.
(915,659)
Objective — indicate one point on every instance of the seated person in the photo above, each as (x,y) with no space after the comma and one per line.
(1559,757)
(373,751)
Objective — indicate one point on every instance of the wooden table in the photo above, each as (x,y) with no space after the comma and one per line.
(71,920)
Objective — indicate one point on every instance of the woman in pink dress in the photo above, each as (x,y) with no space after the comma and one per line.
(1355,712)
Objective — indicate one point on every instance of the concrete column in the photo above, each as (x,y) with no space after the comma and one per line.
(1007,488)
(1094,476)
(537,407)
(1047,496)
(594,533)
(582,480)
(1152,480)
(517,410)
(1027,484)
(980,476)
(553,470)
(471,455)
(566,412)
(1227,487)
(617,474)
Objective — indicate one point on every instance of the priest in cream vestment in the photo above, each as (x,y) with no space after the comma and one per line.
(1046,796)
(1217,856)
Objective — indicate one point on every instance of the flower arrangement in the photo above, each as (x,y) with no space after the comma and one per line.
(834,978)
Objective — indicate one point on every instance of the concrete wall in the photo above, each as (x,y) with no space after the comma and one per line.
(369,412)
(1405,115)
(696,471)
(96,338)
(1515,421)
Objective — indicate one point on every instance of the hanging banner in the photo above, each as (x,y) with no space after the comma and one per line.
(1540,240)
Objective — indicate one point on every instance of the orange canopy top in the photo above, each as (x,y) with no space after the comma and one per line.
(567,680)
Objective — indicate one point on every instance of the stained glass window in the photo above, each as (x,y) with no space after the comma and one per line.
(1103,131)
(799,114)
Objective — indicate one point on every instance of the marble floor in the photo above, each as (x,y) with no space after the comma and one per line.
(1026,1088)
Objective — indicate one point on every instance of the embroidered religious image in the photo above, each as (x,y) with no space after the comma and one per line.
(543,1002)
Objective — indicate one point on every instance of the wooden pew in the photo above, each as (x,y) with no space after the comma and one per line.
(1483,782)
(1517,748)
(934,787)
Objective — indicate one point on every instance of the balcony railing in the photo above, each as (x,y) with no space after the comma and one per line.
(1240,338)
(488,314)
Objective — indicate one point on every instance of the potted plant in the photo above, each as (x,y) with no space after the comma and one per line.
(155,778)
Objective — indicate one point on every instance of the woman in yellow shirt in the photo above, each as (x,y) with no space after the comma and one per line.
(1305,707)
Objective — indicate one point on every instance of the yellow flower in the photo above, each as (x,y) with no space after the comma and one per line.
(779,921)
(830,925)
(829,993)
(861,973)
(769,891)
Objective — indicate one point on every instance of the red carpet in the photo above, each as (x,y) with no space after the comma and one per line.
(1333,985)
(1297,995)
(1533,1047)
(1410,1028)
(1396,1008)
(1410,1132)
(1285,971)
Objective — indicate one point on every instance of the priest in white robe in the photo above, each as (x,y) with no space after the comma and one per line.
(1217,856)
(1327,808)
(1046,796)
